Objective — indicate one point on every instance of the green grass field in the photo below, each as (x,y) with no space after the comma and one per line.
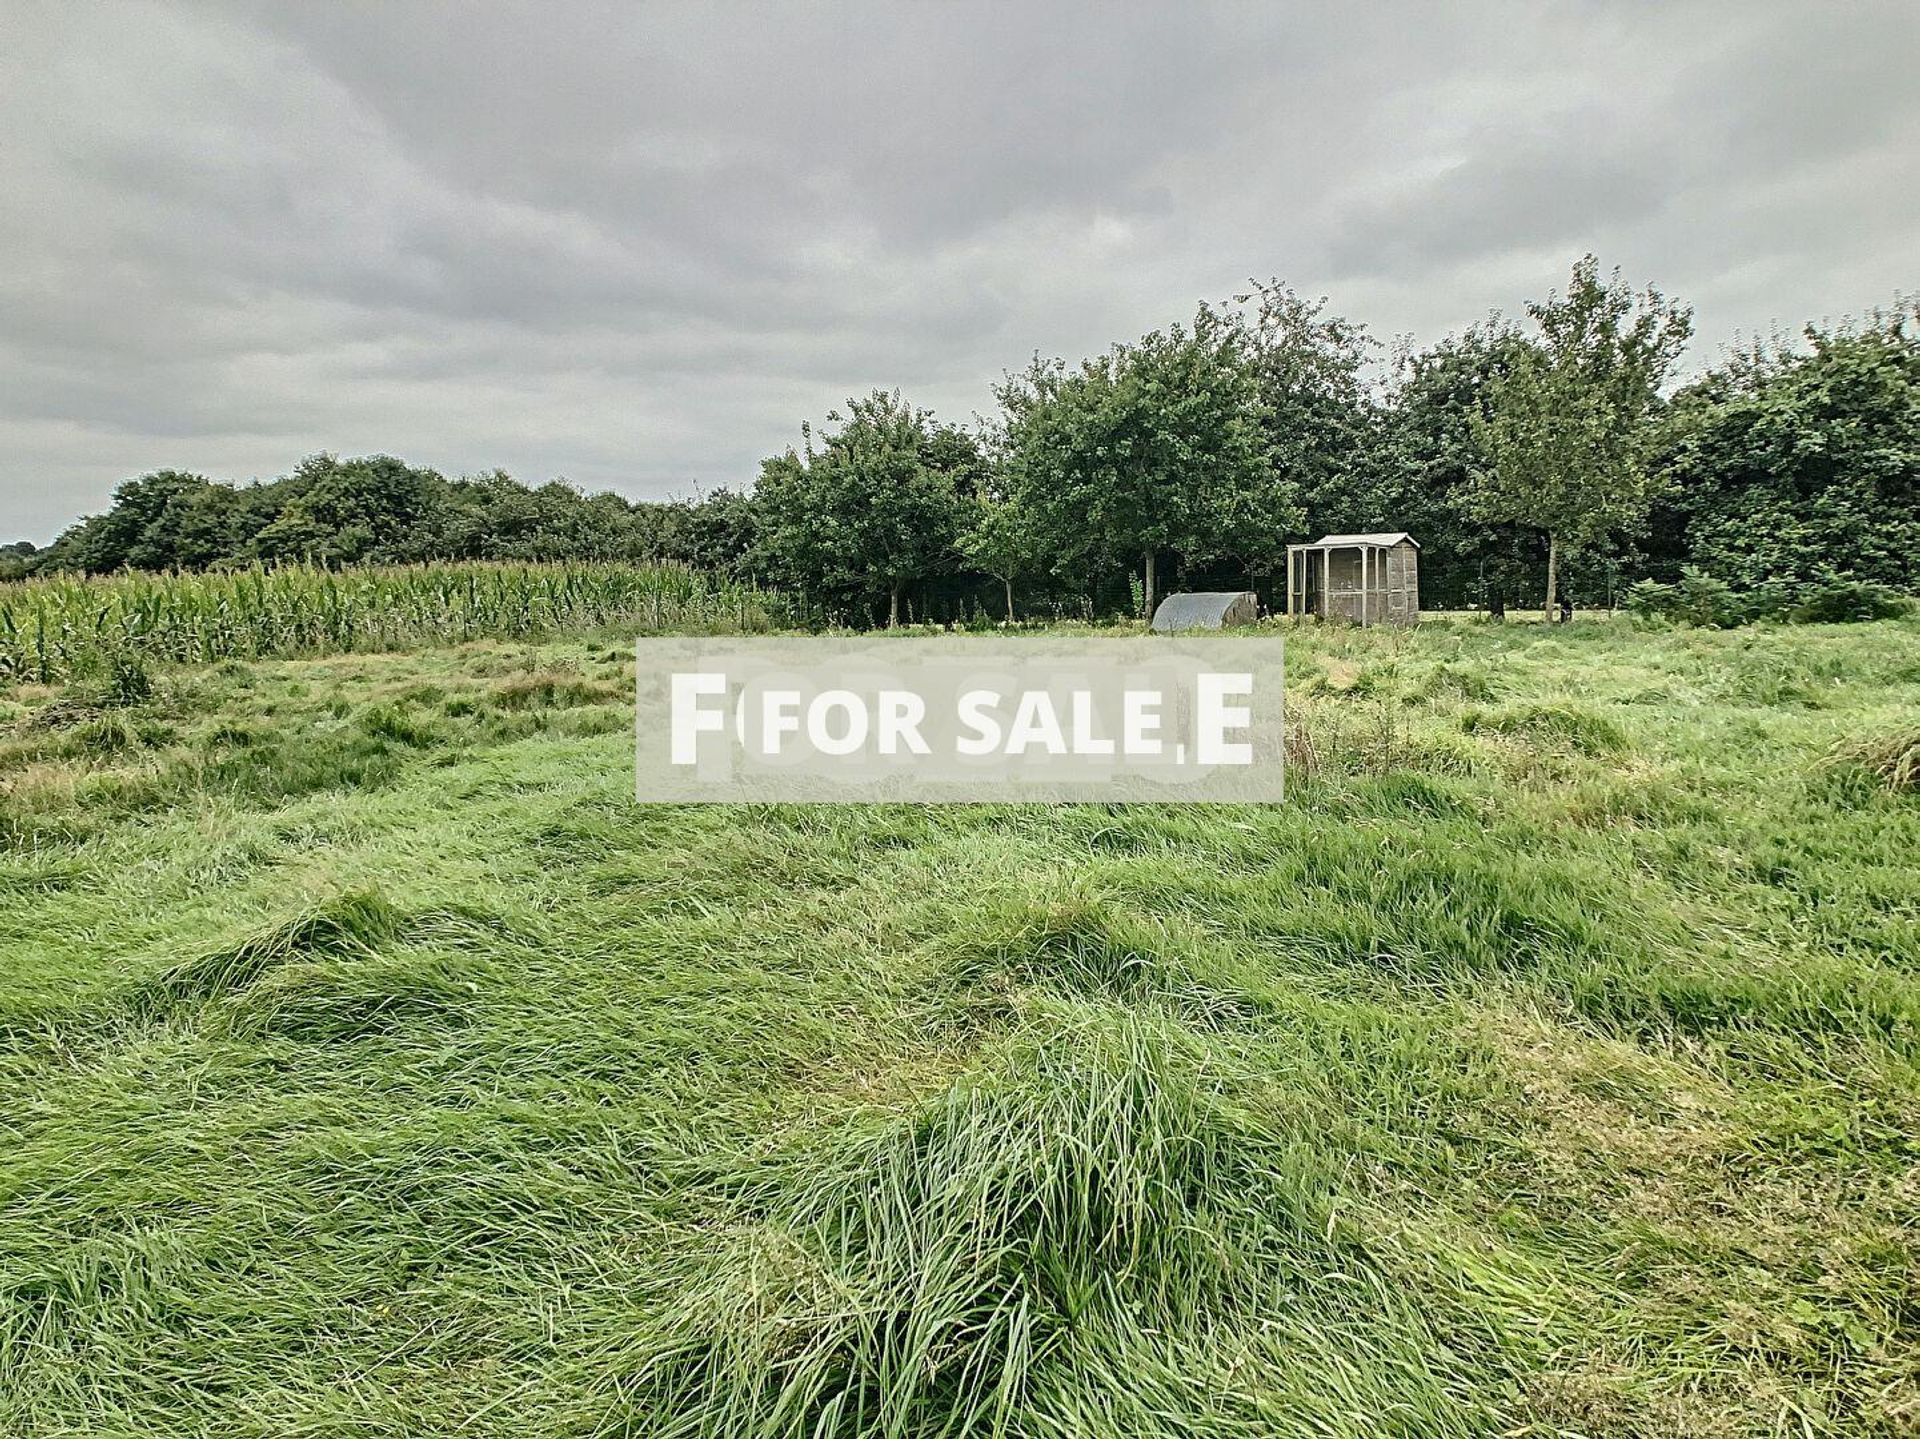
(371,1064)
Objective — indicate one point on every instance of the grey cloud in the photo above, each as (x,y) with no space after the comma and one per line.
(637,245)
(1526,191)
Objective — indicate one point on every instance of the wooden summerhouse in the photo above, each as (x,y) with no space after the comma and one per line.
(1365,579)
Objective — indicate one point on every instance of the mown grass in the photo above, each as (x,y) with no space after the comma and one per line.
(370,1064)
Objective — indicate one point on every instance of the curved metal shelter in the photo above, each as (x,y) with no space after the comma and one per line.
(1367,579)
(1206,610)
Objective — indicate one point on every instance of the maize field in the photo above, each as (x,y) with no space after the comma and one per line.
(58,629)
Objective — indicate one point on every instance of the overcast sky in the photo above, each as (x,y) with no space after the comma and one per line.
(635,246)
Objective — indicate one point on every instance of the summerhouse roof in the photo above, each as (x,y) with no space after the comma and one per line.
(1335,542)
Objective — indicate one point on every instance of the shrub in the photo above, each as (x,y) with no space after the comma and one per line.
(1699,599)
(1838,600)
(1649,599)
(1705,600)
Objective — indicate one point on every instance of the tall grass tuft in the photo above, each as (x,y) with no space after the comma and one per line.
(1892,760)
(1099,1236)
(356,922)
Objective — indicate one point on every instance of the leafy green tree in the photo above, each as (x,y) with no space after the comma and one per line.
(297,533)
(142,530)
(1001,540)
(875,507)
(1155,446)
(1323,428)
(1790,467)
(604,523)
(16,559)
(340,512)
(653,529)
(484,517)
(210,527)
(1567,432)
(493,516)
(720,533)
(369,510)
(1425,474)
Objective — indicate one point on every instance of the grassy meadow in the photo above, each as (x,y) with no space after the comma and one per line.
(371,1064)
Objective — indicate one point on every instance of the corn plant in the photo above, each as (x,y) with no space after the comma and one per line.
(59,628)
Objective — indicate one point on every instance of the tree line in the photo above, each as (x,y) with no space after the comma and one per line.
(1548,462)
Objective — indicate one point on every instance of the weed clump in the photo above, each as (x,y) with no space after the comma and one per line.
(104,734)
(263,766)
(1406,791)
(391,722)
(128,681)
(1455,681)
(1765,680)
